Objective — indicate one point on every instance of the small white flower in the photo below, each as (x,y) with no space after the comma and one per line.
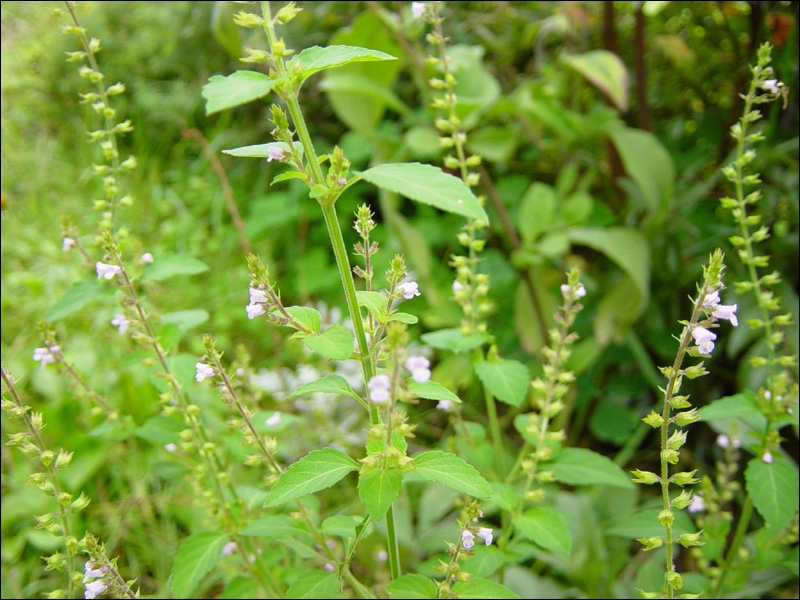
(276,153)
(229,548)
(418,365)
(89,572)
(408,290)
(379,388)
(704,339)
(578,293)
(727,312)
(467,539)
(486,534)
(767,458)
(255,310)
(342,181)
(457,286)
(68,244)
(170,447)
(723,441)
(697,504)
(418,9)
(44,355)
(204,371)
(330,567)
(147,258)
(711,299)
(445,405)
(772,86)
(94,588)
(107,271)
(274,419)
(257,296)
(382,556)
(121,322)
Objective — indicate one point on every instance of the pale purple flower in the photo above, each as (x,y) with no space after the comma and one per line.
(767,458)
(567,291)
(418,365)
(170,447)
(771,85)
(418,9)
(68,244)
(486,534)
(276,153)
(229,548)
(204,371)
(94,588)
(727,312)
(445,405)
(89,572)
(44,355)
(457,286)
(408,290)
(379,388)
(257,296)
(704,339)
(382,555)
(711,300)
(121,322)
(467,539)
(330,567)
(697,504)
(107,271)
(147,258)
(723,441)
(275,419)
(255,310)
(342,181)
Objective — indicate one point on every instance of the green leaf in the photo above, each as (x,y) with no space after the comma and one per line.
(429,185)
(773,488)
(545,527)
(375,303)
(330,384)
(170,265)
(454,340)
(645,524)
(366,87)
(315,584)
(238,88)
(262,151)
(606,71)
(316,471)
(378,489)
(78,296)
(448,469)
(430,390)
(343,526)
(198,554)
(742,405)
(537,211)
(225,30)
(486,561)
(274,526)
(579,466)
(412,587)
(482,588)
(507,380)
(307,317)
(317,58)
(185,319)
(336,342)
(403,318)
(160,430)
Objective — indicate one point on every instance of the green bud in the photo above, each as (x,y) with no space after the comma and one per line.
(687,417)
(648,595)
(688,540)
(653,419)
(680,402)
(676,440)
(683,500)
(670,455)
(246,19)
(650,543)
(287,13)
(674,580)
(644,477)
(695,371)
(81,503)
(665,517)
(685,478)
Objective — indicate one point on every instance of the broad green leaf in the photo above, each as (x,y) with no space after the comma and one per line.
(262,150)
(403,318)
(411,587)
(225,31)
(454,340)
(317,58)
(505,495)
(377,446)
(198,554)
(315,584)
(537,211)
(742,405)
(330,384)
(645,524)
(579,466)
(494,144)
(305,315)
(647,163)
(773,488)
(375,303)
(480,589)
(606,71)
(355,83)
(430,390)
(507,380)
(448,469)
(486,561)
(274,526)
(545,527)
(378,489)
(78,296)
(342,526)
(160,430)
(335,342)
(316,471)
(238,88)
(429,185)
(169,265)
(476,89)
(185,319)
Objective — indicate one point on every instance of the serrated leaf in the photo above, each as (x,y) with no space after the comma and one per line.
(315,584)
(412,587)
(505,495)
(78,296)
(429,185)
(238,88)
(580,466)
(486,561)
(606,71)
(343,526)
(305,315)
(448,469)
(316,471)
(336,342)
(430,390)
(374,302)
(330,384)
(170,265)
(507,380)
(545,527)
(645,524)
(378,489)
(773,488)
(483,588)
(453,340)
(262,151)
(197,555)
(317,58)
(274,526)
(742,405)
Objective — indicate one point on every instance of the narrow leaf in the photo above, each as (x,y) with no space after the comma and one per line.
(316,471)
(403,318)
(317,58)
(411,587)
(262,150)
(238,88)
(336,342)
(579,466)
(773,488)
(198,554)
(429,185)
(330,384)
(507,380)
(545,527)
(378,489)
(448,469)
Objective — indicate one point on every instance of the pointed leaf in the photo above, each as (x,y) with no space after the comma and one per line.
(305,315)
(448,469)
(78,296)
(238,88)
(375,303)
(317,58)
(411,587)
(316,471)
(579,466)
(773,488)
(606,71)
(507,380)
(378,489)
(335,342)
(330,384)
(185,319)
(315,584)
(403,318)
(172,264)
(262,150)
(429,185)
(274,526)
(545,527)
(430,390)
(454,340)
(481,589)
(198,554)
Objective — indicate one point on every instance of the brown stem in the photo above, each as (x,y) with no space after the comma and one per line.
(641,70)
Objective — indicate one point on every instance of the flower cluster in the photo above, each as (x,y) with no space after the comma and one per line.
(107,271)
(468,538)
(573,293)
(380,388)
(45,355)
(256,307)
(122,322)
(94,587)
(408,290)
(204,371)
(418,366)
(703,337)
